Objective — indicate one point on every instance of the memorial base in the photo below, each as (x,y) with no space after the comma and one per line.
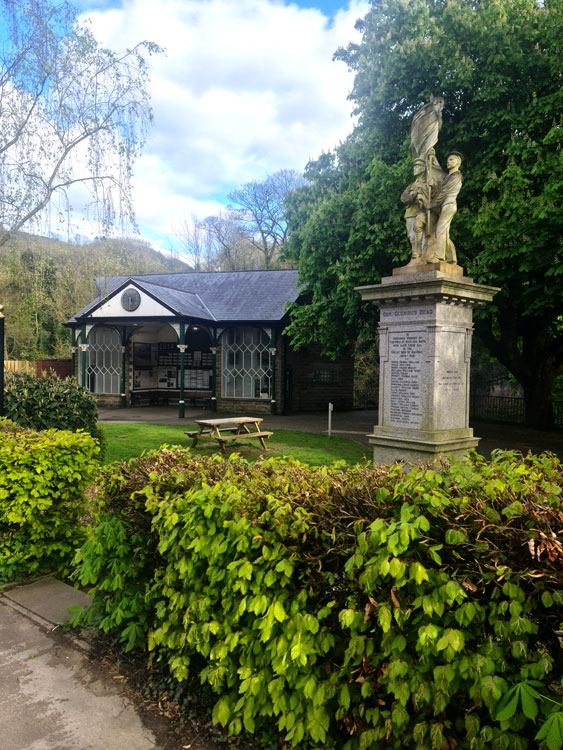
(388,449)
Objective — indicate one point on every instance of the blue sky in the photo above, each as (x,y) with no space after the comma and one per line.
(328,7)
(246,87)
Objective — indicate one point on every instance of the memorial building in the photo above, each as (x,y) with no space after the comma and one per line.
(210,338)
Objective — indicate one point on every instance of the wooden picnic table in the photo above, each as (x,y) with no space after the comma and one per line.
(237,428)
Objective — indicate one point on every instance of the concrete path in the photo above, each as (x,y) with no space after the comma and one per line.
(51,696)
(355,425)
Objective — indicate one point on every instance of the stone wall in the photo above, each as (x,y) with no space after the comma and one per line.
(107,401)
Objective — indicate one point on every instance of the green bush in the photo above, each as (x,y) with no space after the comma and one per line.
(351,608)
(48,402)
(42,480)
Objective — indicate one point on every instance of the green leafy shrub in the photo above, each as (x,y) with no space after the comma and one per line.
(48,402)
(42,480)
(350,607)
(121,555)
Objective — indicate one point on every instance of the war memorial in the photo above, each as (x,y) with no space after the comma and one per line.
(426,311)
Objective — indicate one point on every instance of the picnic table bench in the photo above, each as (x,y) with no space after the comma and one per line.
(237,428)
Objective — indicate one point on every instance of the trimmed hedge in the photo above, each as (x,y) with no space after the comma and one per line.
(351,608)
(47,403)
(42,480)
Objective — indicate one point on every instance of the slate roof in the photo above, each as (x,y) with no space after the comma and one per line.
(218,296)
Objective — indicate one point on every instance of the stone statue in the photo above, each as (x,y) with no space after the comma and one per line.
(431,198)
(425,127)
(416,196)
(445,202)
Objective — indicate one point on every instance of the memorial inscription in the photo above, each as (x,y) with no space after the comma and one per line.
(405,363)
(452,381)
(407,312)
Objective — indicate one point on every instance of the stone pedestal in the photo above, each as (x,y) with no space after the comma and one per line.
(425,334)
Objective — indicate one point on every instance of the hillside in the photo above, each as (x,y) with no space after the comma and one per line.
(43,282)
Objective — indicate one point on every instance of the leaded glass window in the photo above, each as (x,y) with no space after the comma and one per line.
(246,364)
(103,360)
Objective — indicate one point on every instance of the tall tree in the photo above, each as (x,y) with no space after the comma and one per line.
(249,233)
(71,113)
(260,207)
(197,244)
(233,249)
(499,66)
(43,282)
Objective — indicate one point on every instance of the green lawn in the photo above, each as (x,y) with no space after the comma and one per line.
(131,439)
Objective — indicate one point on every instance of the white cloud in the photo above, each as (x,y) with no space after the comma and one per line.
(246,87)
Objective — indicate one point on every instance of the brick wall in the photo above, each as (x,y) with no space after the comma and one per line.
(61,367)
(243,405)
(314,380)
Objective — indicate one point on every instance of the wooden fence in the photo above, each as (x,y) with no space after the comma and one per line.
(61,367)
(20,365)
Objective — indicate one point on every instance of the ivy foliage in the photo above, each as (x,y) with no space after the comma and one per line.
(350,608)
(48,402)
(43,476)
(498,66)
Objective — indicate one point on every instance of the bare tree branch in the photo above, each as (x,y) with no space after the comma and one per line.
(71,112)
(261,207)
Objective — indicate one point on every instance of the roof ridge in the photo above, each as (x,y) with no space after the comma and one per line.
(164,286)
(205,306)
(198,273)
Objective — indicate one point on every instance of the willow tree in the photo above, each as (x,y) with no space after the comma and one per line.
(73,116)
(498,64)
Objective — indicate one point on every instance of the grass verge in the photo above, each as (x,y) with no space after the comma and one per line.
(127,440)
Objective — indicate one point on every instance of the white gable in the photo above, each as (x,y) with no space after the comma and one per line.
(113,308)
